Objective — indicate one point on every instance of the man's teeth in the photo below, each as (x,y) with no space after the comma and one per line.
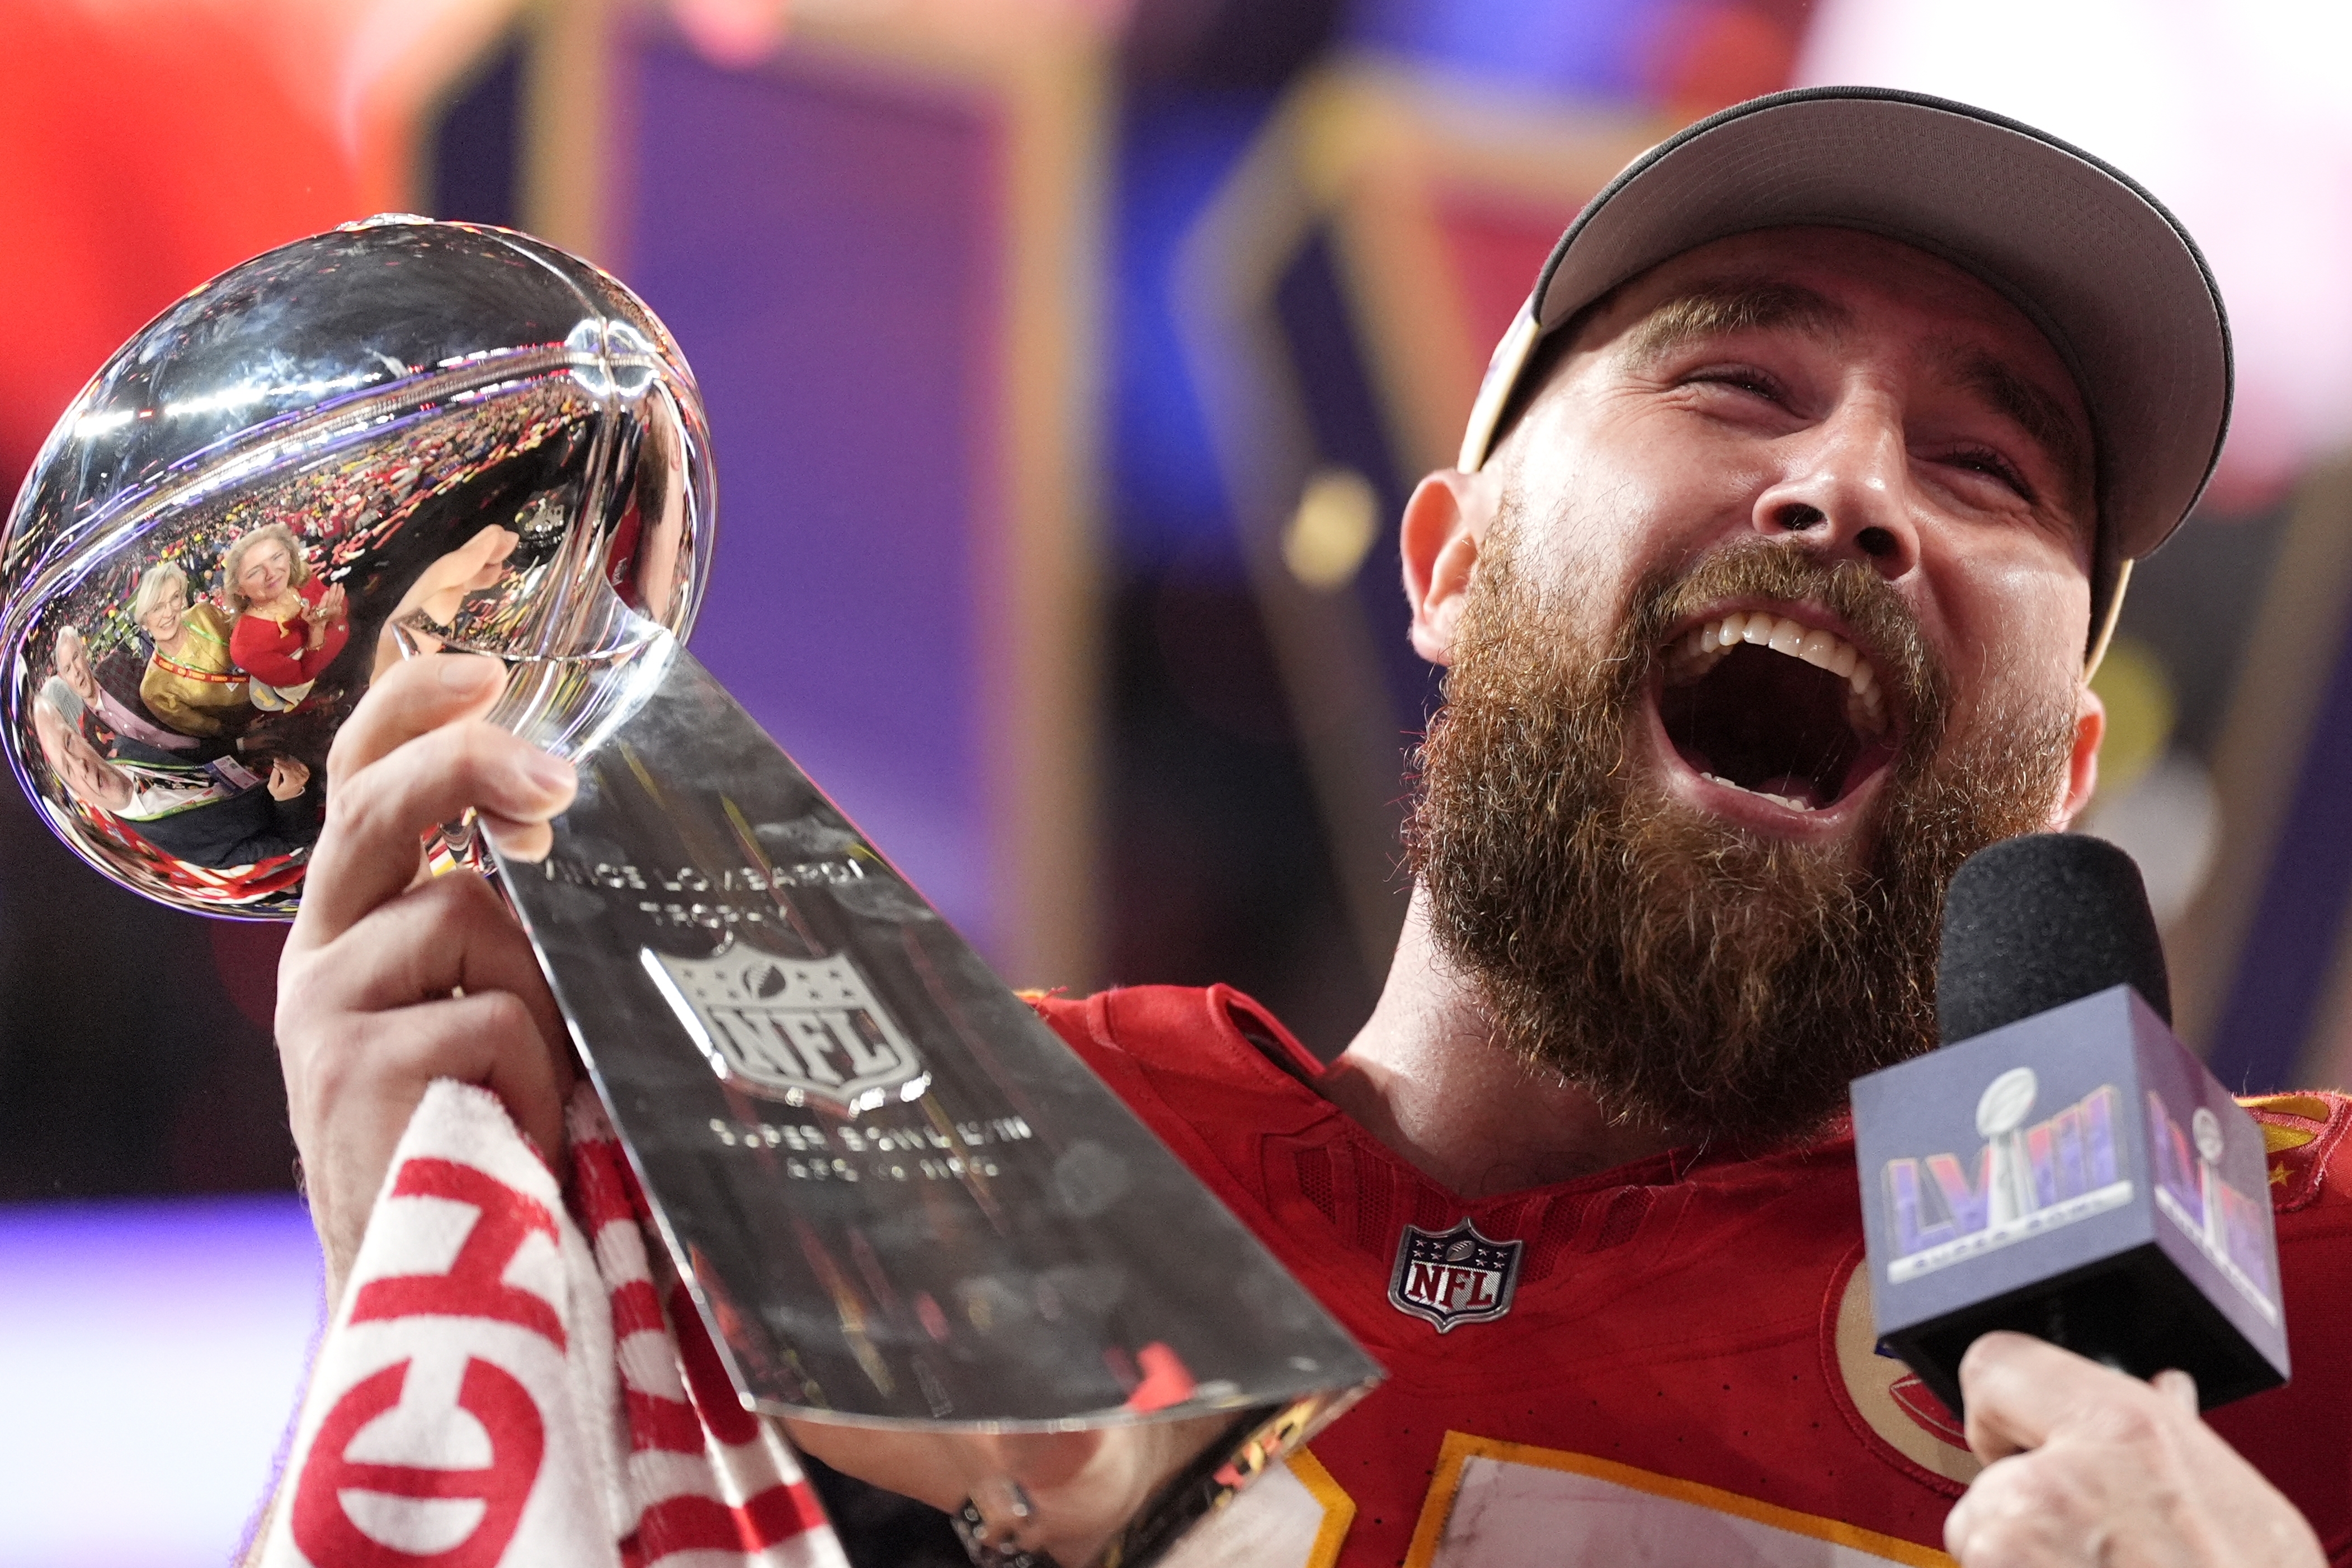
(1865,706)
(1767,794)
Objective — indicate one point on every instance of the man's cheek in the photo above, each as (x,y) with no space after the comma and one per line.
(2020,617)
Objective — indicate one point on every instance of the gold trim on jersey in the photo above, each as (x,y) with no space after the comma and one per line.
(1338,1508)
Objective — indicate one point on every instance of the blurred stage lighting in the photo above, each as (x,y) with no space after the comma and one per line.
(1337,524)
(150,1356)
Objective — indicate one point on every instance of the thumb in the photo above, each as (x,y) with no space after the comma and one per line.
(2177,1387)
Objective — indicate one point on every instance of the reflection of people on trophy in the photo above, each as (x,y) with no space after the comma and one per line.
(289,626)
(191,683)
(74,668)
(432,599)
(217,814)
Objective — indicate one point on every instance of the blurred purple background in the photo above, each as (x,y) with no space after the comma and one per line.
(1067,362)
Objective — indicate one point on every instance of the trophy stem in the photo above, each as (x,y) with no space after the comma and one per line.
(898,1197)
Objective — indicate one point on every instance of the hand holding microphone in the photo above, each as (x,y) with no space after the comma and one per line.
(2063,1169)
(2063,1166)
(2085,1465)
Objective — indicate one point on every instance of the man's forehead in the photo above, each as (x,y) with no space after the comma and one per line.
(1821,283)
(1805,276)
(1711,307)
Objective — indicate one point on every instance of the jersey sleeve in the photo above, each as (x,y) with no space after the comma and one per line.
(2300,1436)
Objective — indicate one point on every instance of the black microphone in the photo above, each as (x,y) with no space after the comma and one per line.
(2033,923)
(2063,1167)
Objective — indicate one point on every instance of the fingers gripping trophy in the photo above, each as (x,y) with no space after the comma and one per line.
(405,437)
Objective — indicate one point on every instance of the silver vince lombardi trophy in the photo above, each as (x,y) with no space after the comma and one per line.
(441,436)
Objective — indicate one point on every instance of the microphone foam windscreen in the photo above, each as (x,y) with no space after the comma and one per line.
(2035,922)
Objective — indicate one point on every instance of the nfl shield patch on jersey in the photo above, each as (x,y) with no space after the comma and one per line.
(1454,1277)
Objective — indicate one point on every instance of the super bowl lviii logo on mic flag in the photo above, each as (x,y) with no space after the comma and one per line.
(2077,1175)
(2026,1180)
(2031,1178)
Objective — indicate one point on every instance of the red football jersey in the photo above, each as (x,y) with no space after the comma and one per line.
(1681,1369)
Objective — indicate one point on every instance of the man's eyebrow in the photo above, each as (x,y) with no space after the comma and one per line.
(1709,309)
(2033,408)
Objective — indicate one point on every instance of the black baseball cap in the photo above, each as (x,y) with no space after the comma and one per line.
(2100,266)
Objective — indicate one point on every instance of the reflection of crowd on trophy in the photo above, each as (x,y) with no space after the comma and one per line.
(350,509)
(181,760)
(186,710)
(218,813)
(359,507)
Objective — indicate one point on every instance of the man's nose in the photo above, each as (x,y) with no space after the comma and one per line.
(1846,491)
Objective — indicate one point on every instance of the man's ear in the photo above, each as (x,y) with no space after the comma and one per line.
(1443,523)
(2082,766)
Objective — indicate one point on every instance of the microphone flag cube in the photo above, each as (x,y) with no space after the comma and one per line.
(2080,1177)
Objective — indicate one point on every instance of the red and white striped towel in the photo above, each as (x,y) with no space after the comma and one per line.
(509,1382)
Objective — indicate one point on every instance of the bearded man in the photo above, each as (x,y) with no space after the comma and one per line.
(1786,533)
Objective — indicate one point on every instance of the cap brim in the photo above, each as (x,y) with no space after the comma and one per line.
(2110,277)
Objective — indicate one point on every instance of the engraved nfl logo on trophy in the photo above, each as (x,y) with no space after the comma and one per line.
(794,1030)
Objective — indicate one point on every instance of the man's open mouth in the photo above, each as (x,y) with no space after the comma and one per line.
(1765,703)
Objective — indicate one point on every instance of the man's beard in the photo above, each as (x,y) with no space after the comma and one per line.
(1689,973)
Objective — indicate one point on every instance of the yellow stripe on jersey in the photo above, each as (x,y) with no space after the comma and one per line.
(1295,1515)
(1338,1508)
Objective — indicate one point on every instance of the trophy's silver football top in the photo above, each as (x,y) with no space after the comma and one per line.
(398,431)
